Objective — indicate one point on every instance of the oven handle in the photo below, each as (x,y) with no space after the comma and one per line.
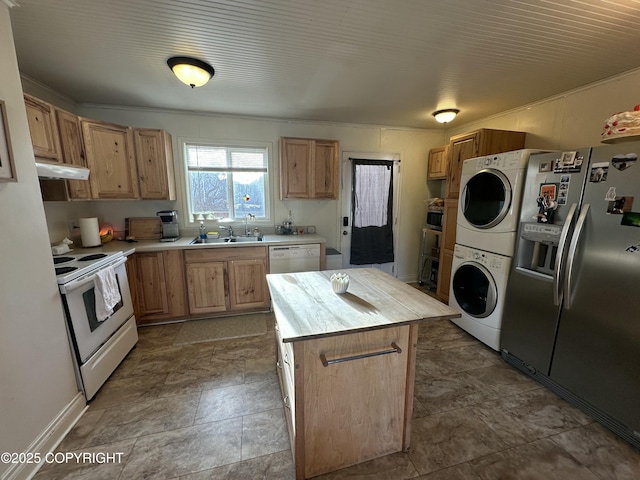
(80,281)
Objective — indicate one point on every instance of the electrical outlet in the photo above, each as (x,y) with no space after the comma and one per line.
(311,229)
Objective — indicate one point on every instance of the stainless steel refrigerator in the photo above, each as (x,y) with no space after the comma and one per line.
(572,306)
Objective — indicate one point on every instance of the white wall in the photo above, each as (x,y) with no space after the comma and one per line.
(569,121)
(412,144)
(37,382)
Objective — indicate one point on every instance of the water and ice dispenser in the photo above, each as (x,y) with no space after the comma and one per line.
(538,246)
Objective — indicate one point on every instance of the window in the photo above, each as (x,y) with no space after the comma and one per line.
(227,182)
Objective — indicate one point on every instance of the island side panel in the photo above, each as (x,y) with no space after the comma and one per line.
(411,379)
(354,411)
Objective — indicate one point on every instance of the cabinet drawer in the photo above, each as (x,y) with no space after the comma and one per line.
(224,254)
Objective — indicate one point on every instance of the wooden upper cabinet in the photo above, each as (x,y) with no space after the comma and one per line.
(110,158)
(154,159)
(325,169)
(309,168)
(43,129)
(72,148)
(476,144)
(437,169)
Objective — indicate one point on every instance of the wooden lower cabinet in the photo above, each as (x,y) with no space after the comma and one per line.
(226,279)
(447,246)
(158,285)
(206,287)
(247,288)
(350,411)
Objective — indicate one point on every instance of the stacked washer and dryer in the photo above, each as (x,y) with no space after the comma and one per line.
(487,223)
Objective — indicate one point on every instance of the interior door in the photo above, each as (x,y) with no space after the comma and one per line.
(347,211)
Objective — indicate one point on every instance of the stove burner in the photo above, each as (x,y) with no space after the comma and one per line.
(94,256)
(57,260)
(63,270)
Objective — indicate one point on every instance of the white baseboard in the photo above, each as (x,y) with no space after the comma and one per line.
(49,439)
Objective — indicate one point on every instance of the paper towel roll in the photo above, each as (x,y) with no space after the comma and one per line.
(89,231)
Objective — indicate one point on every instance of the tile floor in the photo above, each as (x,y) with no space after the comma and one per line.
(214,411)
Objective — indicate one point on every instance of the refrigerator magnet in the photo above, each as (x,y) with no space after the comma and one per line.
(620,205)
(622,162)
(611,194)
(599,172)
(630,219)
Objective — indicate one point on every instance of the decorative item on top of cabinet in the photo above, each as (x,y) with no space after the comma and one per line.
(437,169)
(110,157)
(154,158)
(463,147)
(309,168)
(43,129)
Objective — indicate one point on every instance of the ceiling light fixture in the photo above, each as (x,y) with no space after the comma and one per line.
(446,115)
(191,71)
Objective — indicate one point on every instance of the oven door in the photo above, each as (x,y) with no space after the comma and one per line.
(87,332)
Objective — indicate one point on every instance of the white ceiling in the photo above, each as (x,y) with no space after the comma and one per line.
(383,62)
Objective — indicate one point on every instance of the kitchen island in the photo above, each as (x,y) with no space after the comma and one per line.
(346,364)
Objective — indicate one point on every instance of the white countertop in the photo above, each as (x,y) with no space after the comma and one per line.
(183,243)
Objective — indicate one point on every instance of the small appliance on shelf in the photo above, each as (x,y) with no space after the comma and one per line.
(435,213)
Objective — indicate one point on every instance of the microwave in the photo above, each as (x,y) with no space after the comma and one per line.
(434,219)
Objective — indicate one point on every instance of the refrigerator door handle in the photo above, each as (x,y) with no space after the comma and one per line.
(572,253)
(558,266)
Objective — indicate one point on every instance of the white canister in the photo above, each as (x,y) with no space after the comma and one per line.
(89,232)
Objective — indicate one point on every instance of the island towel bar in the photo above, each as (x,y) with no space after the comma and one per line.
(325,363)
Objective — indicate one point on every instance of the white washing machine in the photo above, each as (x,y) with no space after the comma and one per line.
(490,197)
(477,290)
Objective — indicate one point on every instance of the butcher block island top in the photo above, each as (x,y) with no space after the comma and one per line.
(346,364)
(307,307)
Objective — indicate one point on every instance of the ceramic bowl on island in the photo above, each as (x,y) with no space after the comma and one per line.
(340,282)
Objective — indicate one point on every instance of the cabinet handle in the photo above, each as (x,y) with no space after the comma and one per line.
(325,363)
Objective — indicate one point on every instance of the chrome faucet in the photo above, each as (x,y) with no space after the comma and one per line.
(227,228)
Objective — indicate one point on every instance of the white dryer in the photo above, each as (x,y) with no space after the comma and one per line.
(477,291)
(490,197)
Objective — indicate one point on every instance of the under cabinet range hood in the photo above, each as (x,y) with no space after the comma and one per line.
(62,171)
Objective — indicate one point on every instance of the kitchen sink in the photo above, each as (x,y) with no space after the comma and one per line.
(234,239)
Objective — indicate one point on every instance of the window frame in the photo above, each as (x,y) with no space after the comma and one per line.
(229,145)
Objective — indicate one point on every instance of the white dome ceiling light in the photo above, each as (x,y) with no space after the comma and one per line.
(446,115)
(191,71)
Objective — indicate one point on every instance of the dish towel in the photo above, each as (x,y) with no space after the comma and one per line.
(106,292)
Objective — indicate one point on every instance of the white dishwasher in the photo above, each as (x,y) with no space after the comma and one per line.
(294,258)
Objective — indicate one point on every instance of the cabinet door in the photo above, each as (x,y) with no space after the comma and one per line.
(206,287)
(247,284)
(437,169)
(462,148)
(73,152)
(43,129)
(325,169)
(447,248)
(151,288)
(295,162)
(109,152)
(154,159)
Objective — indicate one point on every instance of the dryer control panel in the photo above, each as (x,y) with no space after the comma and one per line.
(491,261)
